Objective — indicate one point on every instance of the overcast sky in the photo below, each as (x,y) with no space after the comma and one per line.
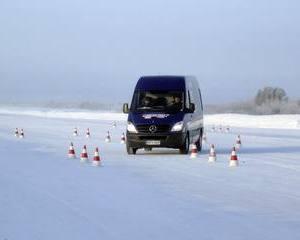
(96,50)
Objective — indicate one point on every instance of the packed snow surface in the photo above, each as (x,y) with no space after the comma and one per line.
(152,195)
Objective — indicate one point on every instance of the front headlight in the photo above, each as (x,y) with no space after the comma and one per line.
(177,127)
(131,127)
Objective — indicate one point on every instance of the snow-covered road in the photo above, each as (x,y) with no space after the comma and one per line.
(157,195)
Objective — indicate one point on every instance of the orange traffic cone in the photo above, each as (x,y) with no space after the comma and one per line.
(123,139)
(22,135)
(84,156)
(96,160)
(71,153)
(88,134)
(212,154)
(108,138)
(17,132)
(194,152)
(238,142)
(75,132)
(234,162)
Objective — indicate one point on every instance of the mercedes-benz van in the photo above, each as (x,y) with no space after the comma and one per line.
(165,112)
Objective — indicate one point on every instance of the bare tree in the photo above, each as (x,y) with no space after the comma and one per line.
(270,95)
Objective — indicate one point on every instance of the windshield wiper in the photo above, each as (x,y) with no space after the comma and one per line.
(142,108)
(151,108)
(158,107)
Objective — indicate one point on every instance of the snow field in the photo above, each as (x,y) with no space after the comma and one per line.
(153,195)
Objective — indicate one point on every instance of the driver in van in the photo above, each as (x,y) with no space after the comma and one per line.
(177,103)
(147,102)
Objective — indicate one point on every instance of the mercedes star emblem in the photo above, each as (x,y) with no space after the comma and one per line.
(152,128)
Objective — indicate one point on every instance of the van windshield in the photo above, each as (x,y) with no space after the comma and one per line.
(160,101)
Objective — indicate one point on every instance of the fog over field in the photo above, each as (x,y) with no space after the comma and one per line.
(266,102)
(95,51)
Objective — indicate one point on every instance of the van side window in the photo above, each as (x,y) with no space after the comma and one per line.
(201,104)
(188,99)
(194,98)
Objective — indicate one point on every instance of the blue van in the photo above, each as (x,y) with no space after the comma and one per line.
(165,112)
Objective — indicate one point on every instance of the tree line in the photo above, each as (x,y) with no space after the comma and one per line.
(268,100)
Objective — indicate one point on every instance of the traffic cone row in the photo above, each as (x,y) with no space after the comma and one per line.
(84,155)
(19,133)
(238,142)
(88,135)
(212,157)
(220,128)
(194,152)
(76,134)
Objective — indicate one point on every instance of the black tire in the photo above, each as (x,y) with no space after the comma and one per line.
(186,145)
(199,142)
(131,150)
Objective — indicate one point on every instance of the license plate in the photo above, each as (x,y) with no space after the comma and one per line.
(152,142)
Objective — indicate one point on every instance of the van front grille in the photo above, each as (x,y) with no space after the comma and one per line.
(159,128)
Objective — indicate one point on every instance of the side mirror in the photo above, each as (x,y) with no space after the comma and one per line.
(125,108)
(191,108)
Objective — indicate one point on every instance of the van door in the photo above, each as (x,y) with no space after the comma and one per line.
(192,127)
(197,117)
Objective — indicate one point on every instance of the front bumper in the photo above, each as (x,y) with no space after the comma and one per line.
(167,140)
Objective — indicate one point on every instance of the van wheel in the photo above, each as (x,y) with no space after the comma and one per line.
(199,142)
(131,150)
(186,146)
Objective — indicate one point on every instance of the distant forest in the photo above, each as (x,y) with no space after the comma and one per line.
(268,100)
